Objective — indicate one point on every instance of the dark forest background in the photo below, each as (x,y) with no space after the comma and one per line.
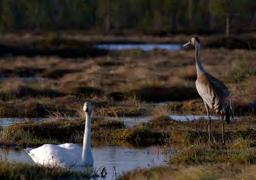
(159,17)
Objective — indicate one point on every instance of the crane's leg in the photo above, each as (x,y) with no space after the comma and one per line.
(223,129)
(209,129)
(209,125)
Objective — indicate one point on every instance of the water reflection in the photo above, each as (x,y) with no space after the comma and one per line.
(5,122)
(144,47)
(116,159)
(128,121)
(134,121)
(14,155)
(192,117)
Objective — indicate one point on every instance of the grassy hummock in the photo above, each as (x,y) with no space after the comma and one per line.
(114,132)
(25,171)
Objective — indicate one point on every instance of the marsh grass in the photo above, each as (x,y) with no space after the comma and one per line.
(236,160)
(160,111)
(144,136)
(23,92)
(39,107)
(194,172)
(84,91)
(121,111)
(117,78)
(124,84)
(113,132)
(159,94)
(242,71)
(58,73)
(160,130)
(176,173)
(131,107)
(59,46)
(234,42)
(199,154)
(20,72)
(192,155)
(24,171)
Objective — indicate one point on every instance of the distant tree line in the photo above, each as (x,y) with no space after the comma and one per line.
(129,16)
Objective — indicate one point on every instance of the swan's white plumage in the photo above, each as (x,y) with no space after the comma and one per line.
(66,155)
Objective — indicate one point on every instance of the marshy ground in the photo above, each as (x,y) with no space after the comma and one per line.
(121,83)
(132,83)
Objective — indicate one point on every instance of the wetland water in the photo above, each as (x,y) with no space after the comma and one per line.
(144,47)
(128,121)
(134,121)
(116,159)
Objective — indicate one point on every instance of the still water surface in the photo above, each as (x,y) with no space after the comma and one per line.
(128,121)
(116,159)
(144,47)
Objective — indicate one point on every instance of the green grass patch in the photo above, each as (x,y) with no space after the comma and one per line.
(114,132)
(242,71)
(24,171)
(236,152)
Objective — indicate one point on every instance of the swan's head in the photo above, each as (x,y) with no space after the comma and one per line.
(193,42)
(88,107)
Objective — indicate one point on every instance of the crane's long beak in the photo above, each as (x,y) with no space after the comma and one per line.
(187,44)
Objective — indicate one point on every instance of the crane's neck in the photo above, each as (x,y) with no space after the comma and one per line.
(199,68)
(86,151)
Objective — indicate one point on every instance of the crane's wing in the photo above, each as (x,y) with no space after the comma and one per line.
(218,85)
(213,92)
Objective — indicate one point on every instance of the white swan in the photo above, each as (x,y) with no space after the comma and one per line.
(67,155)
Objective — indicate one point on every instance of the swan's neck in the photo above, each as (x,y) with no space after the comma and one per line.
(199,68)
(86,152)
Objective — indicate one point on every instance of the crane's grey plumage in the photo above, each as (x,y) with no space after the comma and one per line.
(214,93)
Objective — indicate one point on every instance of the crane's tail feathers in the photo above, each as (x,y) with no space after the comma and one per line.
(227,118)
(232,112)
(228,113)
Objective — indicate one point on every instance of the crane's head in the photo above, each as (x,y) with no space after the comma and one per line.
(88,107)
(193,42)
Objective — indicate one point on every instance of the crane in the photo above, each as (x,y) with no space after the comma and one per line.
(214,93)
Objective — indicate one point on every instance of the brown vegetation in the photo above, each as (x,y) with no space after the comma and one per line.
(114,79)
